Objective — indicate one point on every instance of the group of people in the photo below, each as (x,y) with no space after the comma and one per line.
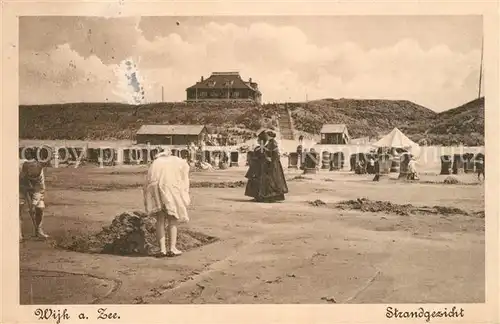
(166,196)
(166,190)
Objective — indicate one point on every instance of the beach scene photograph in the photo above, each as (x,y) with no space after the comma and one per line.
(252,160)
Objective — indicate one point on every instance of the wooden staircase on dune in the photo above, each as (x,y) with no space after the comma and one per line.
(285,123)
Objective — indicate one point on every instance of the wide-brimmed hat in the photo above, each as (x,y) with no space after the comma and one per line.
(271,133)
(262,130)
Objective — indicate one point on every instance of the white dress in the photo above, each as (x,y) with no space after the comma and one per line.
(167,187)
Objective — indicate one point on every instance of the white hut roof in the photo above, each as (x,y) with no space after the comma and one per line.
(395,139)
(333,128)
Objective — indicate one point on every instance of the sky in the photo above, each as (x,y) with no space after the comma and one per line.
(433,61)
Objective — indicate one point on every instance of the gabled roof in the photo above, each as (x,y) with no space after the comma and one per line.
(396,139)
(334,128)
(170,129)
(220,80)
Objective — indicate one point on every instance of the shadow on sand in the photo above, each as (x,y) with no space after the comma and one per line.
(248,200)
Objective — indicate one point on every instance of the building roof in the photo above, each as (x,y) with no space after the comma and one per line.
(223,80)
(333,128)
(170,129)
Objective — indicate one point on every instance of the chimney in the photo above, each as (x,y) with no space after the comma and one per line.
(202,78)
(250,80)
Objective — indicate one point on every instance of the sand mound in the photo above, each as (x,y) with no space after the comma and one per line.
(130,233)
(449,210)
(367,205)
(299,177)
(451,180)
(317,203)
(480,214)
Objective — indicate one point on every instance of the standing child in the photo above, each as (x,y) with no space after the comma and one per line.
(32,191)
(412,169)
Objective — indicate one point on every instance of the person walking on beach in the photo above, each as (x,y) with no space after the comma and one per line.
(480,167)
(166,197)
(32,192)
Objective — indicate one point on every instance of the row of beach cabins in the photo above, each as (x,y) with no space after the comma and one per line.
(190,142)
(135,155)
(222,157)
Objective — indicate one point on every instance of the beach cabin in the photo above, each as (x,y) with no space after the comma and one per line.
(334,134)
(171,134)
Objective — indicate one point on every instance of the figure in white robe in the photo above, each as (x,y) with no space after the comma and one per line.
(166,197)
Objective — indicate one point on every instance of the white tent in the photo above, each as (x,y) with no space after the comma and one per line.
(396,139)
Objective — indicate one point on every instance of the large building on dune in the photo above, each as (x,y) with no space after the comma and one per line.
(224,86)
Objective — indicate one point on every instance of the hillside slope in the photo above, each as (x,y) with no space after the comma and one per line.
(468,118)
(108,121)
(464,124)
(363,117)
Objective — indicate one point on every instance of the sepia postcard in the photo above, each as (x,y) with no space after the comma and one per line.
(248,162)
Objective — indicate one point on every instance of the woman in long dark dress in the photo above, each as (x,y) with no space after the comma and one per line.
(272,183)
(253,174)
(273,186)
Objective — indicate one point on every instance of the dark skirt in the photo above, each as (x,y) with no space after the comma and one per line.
(272,184)
(252,188)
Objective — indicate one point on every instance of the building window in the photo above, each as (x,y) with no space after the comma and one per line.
(236,94)
(203,94)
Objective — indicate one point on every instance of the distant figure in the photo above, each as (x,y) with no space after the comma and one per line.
(412,169)
(480,168)
(360,168)
(312,151)
(166,197)
(32,191)
(303,155)
(224,160)
(299,152)
(192,151)
(371,166)
(266,171)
